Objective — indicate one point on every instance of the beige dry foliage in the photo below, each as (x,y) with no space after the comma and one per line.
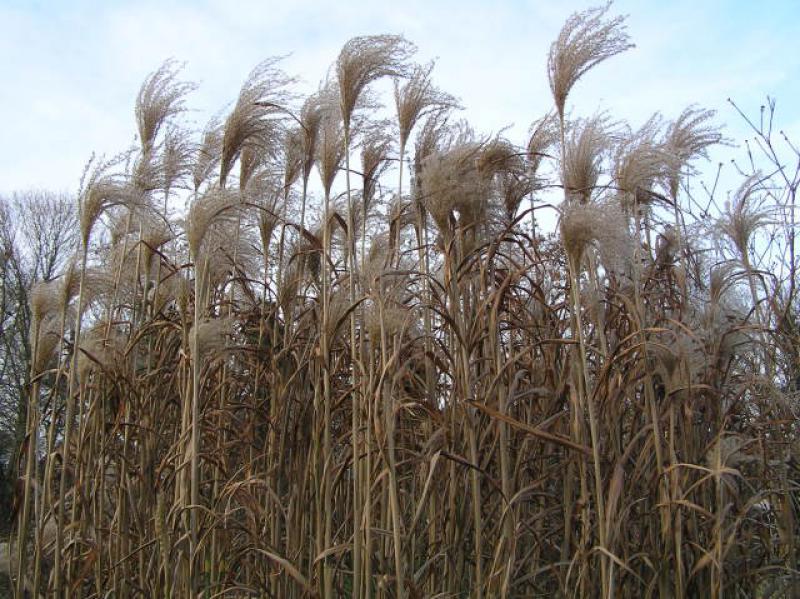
(174,290)
(687,138)
(215,205)
(376,148)
(44,300)
(69,283)
(145,174)
(498,155)
(392,319)
(160,98)
(476,411)
(210,336)
(599,223)
(103,347)
(208,153)
(720,279)
(744,215)
(101,192)
(177,154)
(311,117)
(48,342)
(251,160)
(293,156)
(265,192)
(103,287)
(417,98)
(400,216)
(228,252)
(514,187)
(666,246)
(337,312)
(144,228)
(502,165)
(362,61)
(307,253)
(330,144)
(254,121)
(586,145)
(290,285)
(452,183)
(339,220)
(154,233)
(642,162)
(435,135)
(722,329)
(543,135)
(376,262)
(586,40)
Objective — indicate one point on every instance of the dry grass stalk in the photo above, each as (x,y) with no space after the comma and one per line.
(499,414)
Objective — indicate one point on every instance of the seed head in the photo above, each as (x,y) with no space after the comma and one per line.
(586,40)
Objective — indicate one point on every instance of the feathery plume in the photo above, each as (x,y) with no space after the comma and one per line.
(160,98)
(69,283)
(514,186)
(102,347)
(339,304)
(250,161)
(742,218)
(376,262)
(176,157)
(287,291)
(586,40)
(600,223)
(311,117)
(208,154)
(101,192)
(293,153)
(266,192)
(542,135)
(641,162)
(174,290)
(308,252)
(375,149)
(400,216)
(500,164)
(47,343)
(210,335)
(434,135)
(330,147)
(365,59)
(393,319)
(254,121)
(154,232)
(583,156)
(720,279)
(496,156)
(450,182)
(215,205)
(416,98)
(145,175)
(228,251)
(44,300)
(687,138)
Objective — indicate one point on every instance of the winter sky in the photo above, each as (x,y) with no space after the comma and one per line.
(70,70)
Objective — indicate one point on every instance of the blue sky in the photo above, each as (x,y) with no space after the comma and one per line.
(71,70)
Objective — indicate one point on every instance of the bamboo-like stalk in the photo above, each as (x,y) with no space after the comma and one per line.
(508,413)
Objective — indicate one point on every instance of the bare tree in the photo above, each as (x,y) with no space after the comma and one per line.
(37,237)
